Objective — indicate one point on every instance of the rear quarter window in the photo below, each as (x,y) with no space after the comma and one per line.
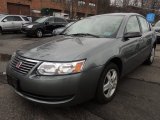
(25,18)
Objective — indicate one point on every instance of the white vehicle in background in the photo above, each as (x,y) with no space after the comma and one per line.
(12,22)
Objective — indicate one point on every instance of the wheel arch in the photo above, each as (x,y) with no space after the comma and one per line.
(118,62)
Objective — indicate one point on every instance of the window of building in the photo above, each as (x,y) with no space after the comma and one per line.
(81,3)
(56,0)
(68,1)
(92,4)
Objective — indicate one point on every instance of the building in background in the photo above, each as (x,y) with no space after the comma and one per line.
(102,6)
(74,8)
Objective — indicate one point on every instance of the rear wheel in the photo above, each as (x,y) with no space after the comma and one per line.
(108,84)
(151,57)
(39,33)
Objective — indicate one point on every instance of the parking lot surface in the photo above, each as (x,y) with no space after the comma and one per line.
(137,98)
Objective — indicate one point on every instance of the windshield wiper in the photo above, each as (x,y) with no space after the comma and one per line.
(84,34)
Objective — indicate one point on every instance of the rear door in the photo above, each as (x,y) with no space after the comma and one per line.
(60,22)
(7,23)
(17,22)
(130,46)
(145,43)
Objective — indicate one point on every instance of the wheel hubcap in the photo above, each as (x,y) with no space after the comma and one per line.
(39,33)
(110,83)
(152,55)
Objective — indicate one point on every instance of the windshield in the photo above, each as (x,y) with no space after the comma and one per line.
(102,26)
(157,24)
(69,24)
(1,16)
(41,20)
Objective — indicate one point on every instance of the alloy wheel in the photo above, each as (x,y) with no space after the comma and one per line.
(110,83)
(39,33)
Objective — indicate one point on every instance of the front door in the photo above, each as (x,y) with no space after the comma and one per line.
(7,23)
(50,25)
(145,44)
(130,47)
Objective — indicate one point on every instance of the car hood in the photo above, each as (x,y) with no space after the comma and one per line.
(32,23)
(63,48)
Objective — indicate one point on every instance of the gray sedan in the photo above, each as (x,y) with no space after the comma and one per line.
(85,62)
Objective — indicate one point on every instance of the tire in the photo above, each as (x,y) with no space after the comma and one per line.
(151,57)
(39,33)
(1,31)
(108,83)
(28,35)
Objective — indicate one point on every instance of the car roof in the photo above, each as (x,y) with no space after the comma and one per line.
(53,17)
(15,15)
(117,14)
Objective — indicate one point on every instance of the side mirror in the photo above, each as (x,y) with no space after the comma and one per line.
(46,23)
(5,20)
(132,35)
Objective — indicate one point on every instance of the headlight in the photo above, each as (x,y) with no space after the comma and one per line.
(29,26)
(13,55)
(49,68)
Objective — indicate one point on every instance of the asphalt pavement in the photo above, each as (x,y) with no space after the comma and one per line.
(138,96)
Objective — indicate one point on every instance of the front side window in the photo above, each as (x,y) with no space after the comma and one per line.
(9,18)
(144,24)
(41,20)
(132,25)
(102,26)
(51,20)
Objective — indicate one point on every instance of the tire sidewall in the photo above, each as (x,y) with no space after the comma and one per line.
(0,31)
(100,95)
(148,61)
(151,55)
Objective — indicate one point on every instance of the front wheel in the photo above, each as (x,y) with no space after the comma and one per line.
(151,57)
(108,84)
(39,33)
(0,31)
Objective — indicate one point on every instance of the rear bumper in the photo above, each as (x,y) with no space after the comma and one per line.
(56,90)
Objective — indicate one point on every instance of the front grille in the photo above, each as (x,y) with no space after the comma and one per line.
(22,65)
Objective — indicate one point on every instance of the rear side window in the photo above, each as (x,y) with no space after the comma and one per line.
(144,24)
(132,25)
(59,20)
(25,18)
(9,18)
(17,18)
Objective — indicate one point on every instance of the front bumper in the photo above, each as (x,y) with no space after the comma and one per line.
(56,90)
(28,31)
